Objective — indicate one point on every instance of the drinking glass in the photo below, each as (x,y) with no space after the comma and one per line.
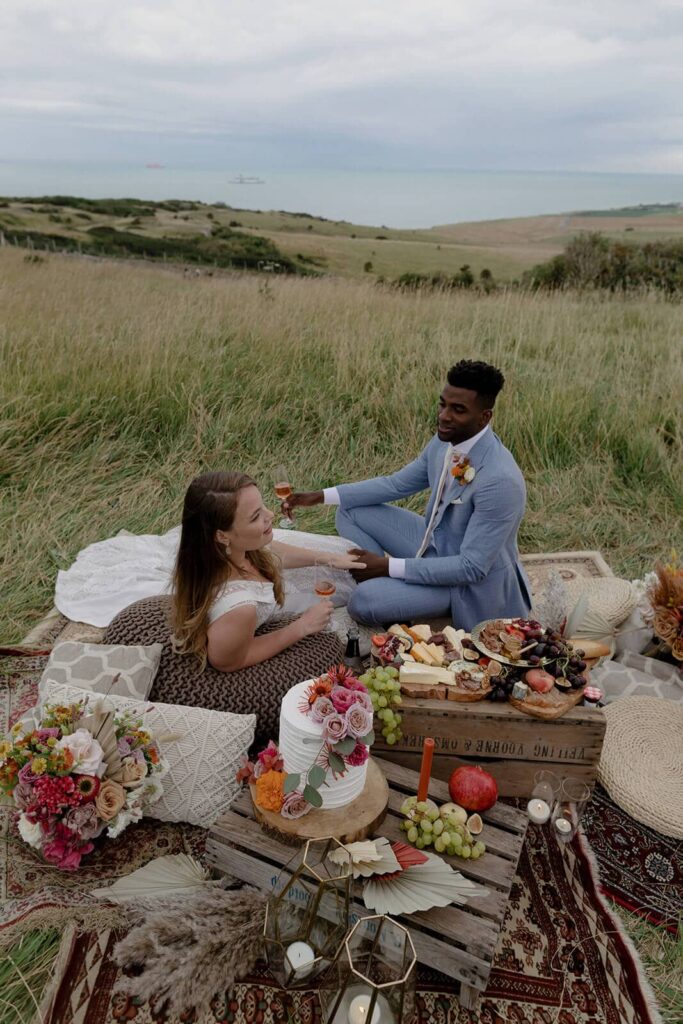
(547,787)
(323,584)
(283,489)
(574,795)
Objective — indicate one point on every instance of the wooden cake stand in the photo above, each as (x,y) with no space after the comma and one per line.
(348,824)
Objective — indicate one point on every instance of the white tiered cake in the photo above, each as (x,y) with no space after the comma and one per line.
(297,730)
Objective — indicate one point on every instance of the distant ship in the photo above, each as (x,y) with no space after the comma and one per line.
(154,167)
(242,179)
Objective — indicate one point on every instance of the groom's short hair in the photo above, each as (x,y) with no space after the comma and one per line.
(473,375)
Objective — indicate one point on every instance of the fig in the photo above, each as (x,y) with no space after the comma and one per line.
(475,824)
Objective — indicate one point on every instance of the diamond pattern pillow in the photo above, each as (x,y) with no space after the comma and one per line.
(95,666)
(203,749)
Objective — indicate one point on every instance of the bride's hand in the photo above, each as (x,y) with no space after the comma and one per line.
(345,560)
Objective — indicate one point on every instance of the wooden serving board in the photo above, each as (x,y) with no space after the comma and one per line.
(348,824)
(458,941)
(569,700)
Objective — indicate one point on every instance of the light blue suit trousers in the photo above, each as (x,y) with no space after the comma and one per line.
(397,531)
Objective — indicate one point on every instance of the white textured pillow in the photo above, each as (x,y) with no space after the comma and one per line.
(203,749)
(95,666)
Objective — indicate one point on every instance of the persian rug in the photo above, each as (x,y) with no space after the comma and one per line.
(562,958)
(640,869)
(37,895)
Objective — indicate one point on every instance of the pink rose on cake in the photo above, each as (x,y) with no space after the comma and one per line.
(358,756)
(334,728)
(358,721)
(343,699)
(321,710)
(295,806)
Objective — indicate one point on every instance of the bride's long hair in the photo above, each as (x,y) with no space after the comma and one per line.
(203,565)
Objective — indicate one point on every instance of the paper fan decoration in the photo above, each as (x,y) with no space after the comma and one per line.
(372,857)
(419,887)
(175,875)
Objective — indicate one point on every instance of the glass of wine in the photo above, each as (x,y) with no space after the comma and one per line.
(283,489)
(323,584)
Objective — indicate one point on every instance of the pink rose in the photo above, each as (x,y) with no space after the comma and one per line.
(322,709)
(343,699)
(334,728)
(84,821)
(295,806)
(363,698)
(358,721)
(358,755)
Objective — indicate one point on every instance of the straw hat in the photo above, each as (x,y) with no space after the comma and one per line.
(641,765)
(611,597)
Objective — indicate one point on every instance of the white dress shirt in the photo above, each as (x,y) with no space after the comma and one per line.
(397,566)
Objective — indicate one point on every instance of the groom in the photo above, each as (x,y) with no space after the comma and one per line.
(459,559)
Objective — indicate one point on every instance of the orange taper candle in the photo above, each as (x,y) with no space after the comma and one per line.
(425,768)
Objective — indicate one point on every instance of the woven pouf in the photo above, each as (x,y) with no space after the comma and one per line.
(641,765)
(257,690)
(611,596)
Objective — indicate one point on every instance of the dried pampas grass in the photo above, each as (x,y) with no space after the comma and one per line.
(193,949)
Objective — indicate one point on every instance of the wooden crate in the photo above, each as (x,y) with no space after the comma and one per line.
(458,941)
(509,744)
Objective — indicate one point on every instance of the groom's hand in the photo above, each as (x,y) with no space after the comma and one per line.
(375,565)
(301,499)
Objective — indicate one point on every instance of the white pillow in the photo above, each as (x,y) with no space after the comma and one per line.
(96,666)
(203,749)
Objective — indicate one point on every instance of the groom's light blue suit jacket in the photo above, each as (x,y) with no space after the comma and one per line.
(473,547)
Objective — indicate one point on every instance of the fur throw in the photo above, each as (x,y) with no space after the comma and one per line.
(185,954)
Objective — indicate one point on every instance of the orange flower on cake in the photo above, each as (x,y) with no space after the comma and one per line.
(269,791)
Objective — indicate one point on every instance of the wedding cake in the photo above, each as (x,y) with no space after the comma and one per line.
(303,734)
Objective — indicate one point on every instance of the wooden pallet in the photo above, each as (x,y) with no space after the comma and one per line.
(458,941)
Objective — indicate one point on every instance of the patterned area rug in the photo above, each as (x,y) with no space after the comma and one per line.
(639,868)
(562,959)
(36,895)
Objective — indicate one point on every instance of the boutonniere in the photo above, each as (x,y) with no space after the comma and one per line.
(463,470)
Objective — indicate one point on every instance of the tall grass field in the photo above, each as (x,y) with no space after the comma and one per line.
(120,382)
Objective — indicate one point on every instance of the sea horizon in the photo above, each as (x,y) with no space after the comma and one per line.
(406,199)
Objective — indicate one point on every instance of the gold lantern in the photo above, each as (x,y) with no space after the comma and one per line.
(307,914)
(374,981)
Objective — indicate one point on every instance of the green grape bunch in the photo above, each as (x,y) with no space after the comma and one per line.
(385,693)
(445,829)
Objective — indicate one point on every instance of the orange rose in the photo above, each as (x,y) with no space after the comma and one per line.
(269,793)
(132,772)
(110,799)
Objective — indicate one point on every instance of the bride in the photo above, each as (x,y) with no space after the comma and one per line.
(225,571)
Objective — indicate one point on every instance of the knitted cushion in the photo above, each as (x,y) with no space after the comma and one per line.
(257,690)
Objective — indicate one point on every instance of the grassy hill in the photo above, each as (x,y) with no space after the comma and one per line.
(199,233)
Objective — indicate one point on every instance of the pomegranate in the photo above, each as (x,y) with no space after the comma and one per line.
(539,680)
(473,788)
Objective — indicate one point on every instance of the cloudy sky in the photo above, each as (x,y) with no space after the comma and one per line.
(499,84)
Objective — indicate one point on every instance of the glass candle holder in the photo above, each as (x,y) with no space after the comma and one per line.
(574,795)
(546,790)
(374,977)
(307,914)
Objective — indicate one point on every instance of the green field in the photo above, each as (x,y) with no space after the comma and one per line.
(121,381)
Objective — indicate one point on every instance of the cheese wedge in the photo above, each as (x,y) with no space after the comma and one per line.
(422,653)
(413,673)
(405,638)
(436,652)
(420,632)
(454,637)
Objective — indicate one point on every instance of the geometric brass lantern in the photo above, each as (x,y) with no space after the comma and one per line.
(375,977)
(307,914)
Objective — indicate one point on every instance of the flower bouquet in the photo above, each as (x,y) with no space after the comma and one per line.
(342,706)
(78,774)
(665,593)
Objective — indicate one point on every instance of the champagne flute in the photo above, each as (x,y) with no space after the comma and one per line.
(323,584)
(283,489)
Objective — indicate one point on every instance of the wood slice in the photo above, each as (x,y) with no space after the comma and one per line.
(467,696)
(426,691)
(565,703)
(348,824)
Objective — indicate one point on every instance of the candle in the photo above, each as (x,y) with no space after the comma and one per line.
(358,1011)
(538,811)
(300,958)
(563,826)
(426,768)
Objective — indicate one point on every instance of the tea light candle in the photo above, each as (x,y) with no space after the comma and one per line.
(538,811)
(563,826)
(358,1011)
(300,957)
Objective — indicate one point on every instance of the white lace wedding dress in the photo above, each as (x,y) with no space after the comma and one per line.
(109,575)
